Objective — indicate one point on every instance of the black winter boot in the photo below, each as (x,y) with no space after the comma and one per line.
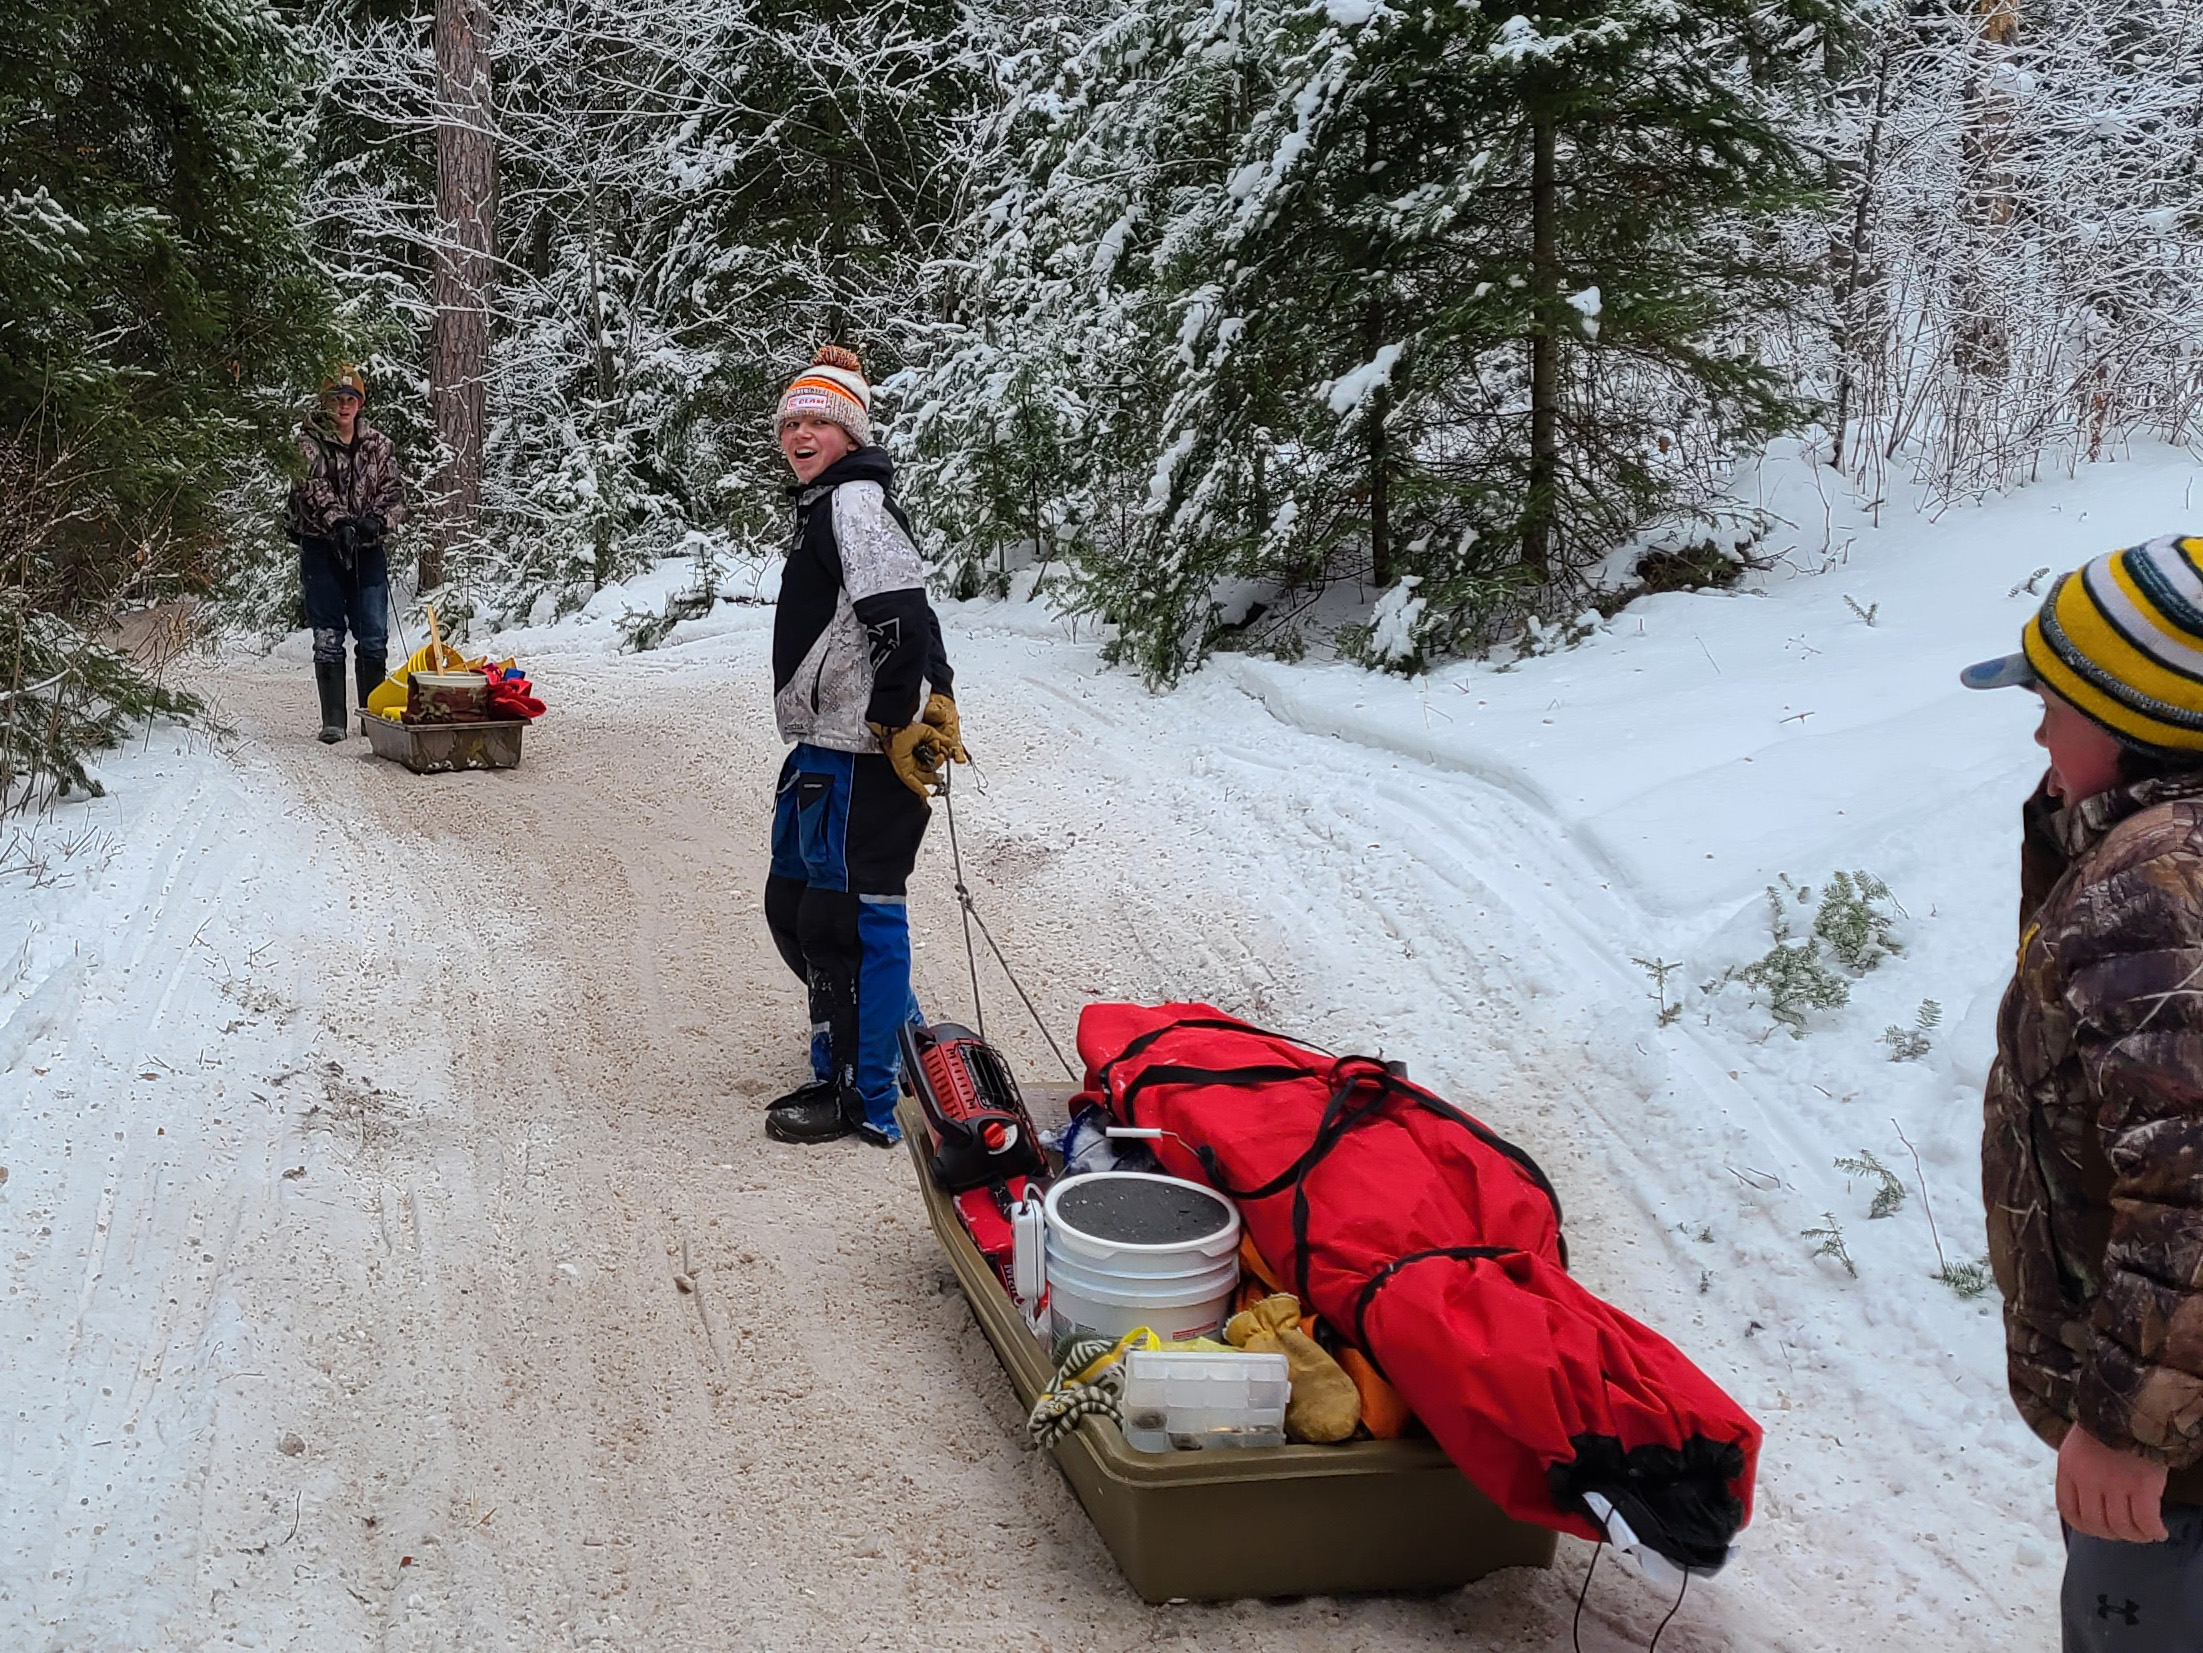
(329,679)
(818,1090)
(369,670)
(822,1113)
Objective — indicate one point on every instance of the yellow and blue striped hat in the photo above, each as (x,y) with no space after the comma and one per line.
(2121,639)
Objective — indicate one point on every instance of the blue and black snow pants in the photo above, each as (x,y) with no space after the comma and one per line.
(845,837)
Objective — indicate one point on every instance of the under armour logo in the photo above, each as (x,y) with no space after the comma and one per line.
(2130,1611)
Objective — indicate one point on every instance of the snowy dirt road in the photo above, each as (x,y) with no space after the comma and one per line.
(435,1385)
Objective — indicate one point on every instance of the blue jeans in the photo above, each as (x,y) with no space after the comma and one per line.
(340,598)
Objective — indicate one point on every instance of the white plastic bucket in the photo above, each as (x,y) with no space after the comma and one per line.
(1103,1285)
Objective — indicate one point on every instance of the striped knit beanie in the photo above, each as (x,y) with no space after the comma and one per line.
(831,388)
(2121,639)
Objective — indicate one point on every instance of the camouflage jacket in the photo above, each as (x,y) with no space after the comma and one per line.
(344,480)
(2092,1142)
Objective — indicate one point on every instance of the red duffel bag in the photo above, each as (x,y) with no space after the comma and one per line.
(1434,1246)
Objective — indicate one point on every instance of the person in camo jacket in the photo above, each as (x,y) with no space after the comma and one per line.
(349,494)
(2092,1146)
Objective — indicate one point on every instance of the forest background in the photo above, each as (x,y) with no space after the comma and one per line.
(1396,330)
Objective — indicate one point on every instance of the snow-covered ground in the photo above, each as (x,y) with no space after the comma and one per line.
(500,1028)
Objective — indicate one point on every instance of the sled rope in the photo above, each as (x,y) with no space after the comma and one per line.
(971,955)
(1575,1625)
(1066,1400)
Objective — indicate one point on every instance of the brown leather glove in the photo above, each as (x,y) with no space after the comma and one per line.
(1325,1406)
(940,714)
(914,751)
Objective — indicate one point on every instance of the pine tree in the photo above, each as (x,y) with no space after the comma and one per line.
(157,314)
(1402,290)
(691,197)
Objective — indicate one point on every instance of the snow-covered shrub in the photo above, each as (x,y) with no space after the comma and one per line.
(1396,637)
(1852,922)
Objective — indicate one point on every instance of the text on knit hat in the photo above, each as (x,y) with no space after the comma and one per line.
(832,388)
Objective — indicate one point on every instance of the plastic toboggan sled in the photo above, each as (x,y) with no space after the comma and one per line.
(1276,1521)
(439,748)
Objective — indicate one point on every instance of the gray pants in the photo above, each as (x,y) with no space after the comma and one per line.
(2136,1598)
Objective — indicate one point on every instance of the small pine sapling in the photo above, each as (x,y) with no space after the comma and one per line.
(1659,969)
(1889,1193)
(1830,1235)
(1852,923)
(1791,974)
(1969,1280)
(1866,614)
(1910,1044)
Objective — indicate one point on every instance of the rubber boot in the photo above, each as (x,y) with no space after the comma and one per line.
(329,679)
(369,670)
(821,1113)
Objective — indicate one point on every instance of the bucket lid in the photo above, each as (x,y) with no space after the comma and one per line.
(1139,1209)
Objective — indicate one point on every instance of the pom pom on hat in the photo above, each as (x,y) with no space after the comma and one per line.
(832,388)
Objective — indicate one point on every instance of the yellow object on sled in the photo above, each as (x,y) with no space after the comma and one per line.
(387,698)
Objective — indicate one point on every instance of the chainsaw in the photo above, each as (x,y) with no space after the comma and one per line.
(988,1157)
(981,1130)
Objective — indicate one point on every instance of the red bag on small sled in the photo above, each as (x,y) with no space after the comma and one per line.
(1434,1247)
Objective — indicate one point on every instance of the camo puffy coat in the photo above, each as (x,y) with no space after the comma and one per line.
(2092,1147)
(344,480)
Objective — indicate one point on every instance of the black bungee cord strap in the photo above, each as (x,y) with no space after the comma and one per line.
(1575,1625)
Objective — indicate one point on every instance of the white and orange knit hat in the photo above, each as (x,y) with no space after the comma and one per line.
(831,388)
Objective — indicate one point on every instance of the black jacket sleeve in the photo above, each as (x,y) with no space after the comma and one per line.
(939,677)
(903,634)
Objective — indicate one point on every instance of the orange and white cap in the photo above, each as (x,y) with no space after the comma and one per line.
(832,388)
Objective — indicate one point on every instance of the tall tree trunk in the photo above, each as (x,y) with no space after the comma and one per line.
(1855,263)
(1380,456)
(1539,510)
(465,273)
(1986,198)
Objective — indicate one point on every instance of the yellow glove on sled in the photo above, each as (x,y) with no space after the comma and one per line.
(1325,1406)
(914,751)
(940,715)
